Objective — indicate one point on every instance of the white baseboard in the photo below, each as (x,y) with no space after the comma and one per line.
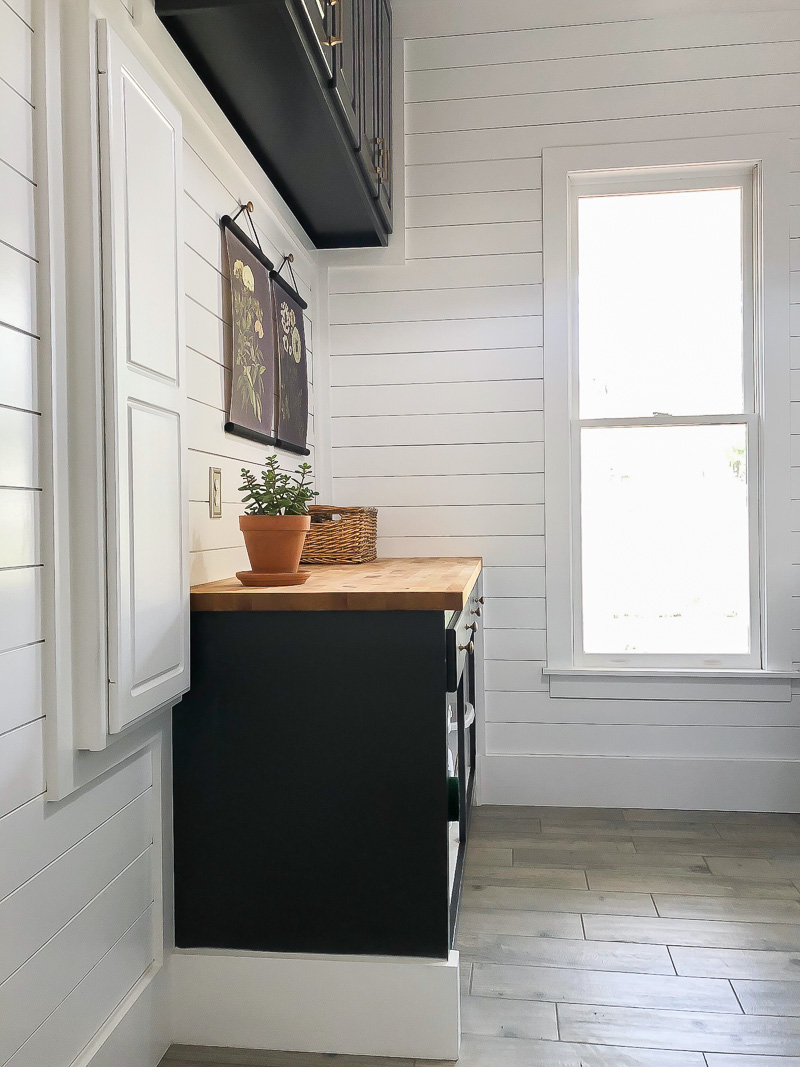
(621,781)
(373,1006)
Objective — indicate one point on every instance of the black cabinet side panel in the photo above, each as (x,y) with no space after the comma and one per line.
(261,63)
(310,797)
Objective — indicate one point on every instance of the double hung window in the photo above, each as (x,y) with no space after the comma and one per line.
(655,403)
(664,425)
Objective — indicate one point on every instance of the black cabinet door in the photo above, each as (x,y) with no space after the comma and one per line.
(368,155)
(384,141)
(320,18)
(347,64)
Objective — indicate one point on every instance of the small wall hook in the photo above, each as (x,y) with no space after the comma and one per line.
(288,258)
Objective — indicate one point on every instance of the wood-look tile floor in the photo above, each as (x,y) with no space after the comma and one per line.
(618,938)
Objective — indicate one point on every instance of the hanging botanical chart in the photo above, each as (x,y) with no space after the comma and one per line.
(292,372)
(253,400)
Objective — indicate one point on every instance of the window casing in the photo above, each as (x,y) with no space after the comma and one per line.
(597,643)
(577,639)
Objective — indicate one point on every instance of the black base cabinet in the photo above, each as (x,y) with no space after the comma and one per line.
(311,793)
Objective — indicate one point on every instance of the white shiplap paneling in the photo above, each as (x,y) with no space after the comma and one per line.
(437,490)
(61,1036)
(18,379)
(18,511)
(457,398)
(21,766)
(16,211)
(411,352)
(601,36)
(217,550)
(419,368)
(444,459)
(65,903)
(39,985)
(21,684)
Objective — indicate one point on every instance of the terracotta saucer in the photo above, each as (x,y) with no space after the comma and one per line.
(254,578)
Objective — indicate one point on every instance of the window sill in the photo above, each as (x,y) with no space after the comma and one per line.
(653,683)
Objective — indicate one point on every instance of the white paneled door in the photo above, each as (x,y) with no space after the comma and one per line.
(144,376)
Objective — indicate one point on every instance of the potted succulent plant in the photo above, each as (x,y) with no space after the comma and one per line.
(276,518)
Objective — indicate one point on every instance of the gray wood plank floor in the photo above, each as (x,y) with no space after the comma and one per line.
(617,938)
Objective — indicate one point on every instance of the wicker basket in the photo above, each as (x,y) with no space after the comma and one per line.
(341,535)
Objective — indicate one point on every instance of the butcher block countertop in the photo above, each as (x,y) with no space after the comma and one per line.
(435,584)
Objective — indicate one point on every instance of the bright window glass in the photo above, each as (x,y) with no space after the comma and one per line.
(660,290)
(665,540)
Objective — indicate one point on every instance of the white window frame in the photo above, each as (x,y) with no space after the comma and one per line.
(761,160)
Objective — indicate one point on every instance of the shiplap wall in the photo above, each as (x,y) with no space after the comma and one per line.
(80,918)
(436,365)
(78,914)
(213,188)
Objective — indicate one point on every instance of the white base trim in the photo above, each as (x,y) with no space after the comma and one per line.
(636,782)
(372,1006)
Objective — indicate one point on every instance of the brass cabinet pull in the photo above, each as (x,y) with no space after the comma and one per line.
(473,626)
(467,648)
(383,158)
(476,611)
(332,41)
(481,599)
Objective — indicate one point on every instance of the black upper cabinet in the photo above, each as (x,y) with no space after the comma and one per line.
(347,65)
(320,17)
(368,155)
(376,103)
(303,83)
(383,69)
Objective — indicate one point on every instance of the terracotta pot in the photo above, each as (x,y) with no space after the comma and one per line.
(274,543)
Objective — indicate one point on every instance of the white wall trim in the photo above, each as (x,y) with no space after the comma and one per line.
(641,782)
(370,1006)
(669,684)
(561,168)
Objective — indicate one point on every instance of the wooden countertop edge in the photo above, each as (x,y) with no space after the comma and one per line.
(300,598)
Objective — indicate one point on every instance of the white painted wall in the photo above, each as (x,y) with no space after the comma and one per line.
(436,364)
(213,184)
(85,896)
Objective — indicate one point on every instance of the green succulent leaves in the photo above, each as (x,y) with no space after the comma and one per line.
(277,492)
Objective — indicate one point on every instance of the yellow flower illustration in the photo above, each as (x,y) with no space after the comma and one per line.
(258,328)
(285,343)
(238,267)
(297,346)
(285,317)
(292,318)
(248,280)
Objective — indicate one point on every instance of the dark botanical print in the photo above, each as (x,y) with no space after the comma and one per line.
(292,370)
(253,362)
